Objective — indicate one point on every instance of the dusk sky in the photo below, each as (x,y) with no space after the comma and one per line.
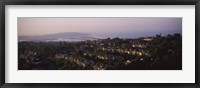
(103,26)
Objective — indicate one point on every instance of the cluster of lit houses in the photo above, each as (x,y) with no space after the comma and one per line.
(109,58)
(106,47)
(29,56)
(98,54)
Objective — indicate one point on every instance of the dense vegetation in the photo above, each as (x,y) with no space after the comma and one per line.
(145,53)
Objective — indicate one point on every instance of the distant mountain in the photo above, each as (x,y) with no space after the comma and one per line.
(67,36)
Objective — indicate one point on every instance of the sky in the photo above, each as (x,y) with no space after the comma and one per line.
(126,27)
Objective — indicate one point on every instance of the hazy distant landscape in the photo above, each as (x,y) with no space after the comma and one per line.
(99,43)
(68,37)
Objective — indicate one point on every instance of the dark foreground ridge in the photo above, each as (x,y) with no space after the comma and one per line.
(145,53)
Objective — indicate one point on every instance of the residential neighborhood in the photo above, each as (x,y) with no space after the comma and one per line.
(144,53)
